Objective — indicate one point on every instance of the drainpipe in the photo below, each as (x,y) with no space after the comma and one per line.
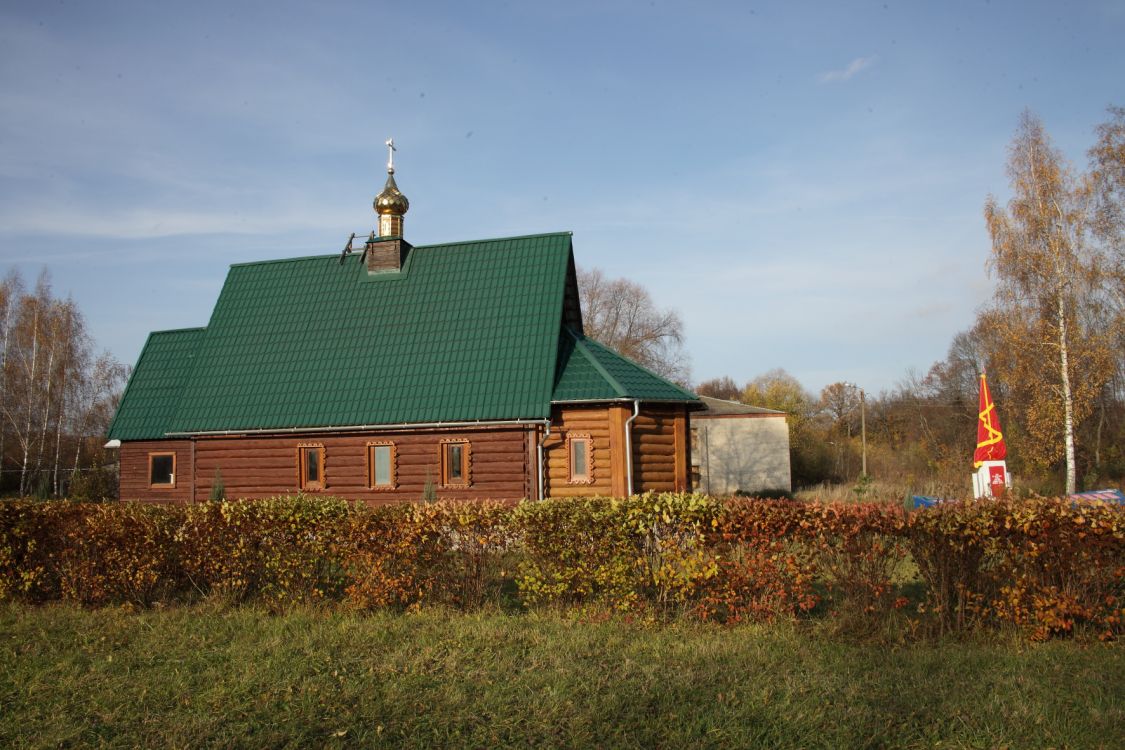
(539,449)
(629,446)
(705,433)
(193,471)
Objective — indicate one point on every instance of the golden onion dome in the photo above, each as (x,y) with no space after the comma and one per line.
(391,200)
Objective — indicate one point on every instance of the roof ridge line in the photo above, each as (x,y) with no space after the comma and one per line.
(597,365)
(565,233)
(180,330)
(320,256)
(266,261)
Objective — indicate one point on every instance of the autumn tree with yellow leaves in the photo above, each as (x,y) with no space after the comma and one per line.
(1053,306)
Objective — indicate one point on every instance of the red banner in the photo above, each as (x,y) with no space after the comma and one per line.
(990,441)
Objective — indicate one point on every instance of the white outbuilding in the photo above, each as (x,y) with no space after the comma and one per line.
(739,448)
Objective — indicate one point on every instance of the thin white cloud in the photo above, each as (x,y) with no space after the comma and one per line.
(854,68)
(148,223)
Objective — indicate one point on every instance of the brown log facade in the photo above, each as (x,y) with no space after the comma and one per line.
(501,460)
(135,468)
(257,466)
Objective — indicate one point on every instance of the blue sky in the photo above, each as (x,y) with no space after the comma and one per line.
(804,182)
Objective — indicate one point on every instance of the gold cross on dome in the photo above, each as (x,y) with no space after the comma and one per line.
(391,155)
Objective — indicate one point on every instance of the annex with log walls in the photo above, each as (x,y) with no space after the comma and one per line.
(584,454)
(659,439)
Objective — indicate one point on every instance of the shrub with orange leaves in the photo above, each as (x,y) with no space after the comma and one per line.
(765,568)
(281,550)
(858,549)
(952,546)
(406,555)
(1049,567)
(118,553)
(31,536)
(387,556)
(1060,565)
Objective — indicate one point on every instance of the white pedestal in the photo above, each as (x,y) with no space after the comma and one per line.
(991,480)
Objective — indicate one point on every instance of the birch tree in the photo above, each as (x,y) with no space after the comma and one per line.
(54,397)
(1051,274)
(11,292)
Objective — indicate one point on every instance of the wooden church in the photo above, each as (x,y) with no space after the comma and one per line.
(371,375)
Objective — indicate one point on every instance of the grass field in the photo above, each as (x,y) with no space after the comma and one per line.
(208,676)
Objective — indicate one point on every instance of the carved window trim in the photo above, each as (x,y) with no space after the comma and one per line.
(585,439)
(171,483)
(466,462)
(393,484)
(303,482)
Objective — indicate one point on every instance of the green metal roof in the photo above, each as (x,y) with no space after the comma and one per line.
(589,371)
(150,400)
(464,332)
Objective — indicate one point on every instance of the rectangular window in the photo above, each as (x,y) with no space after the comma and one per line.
(310,467)
(381,466)
(580,458)
(162,470)
(455,463)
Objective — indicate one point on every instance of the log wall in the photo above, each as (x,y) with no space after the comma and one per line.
(596,422)
(500,465)
(502,460)
(134,470)
(661,450)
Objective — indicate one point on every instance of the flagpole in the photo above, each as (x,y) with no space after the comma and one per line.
(862,424)
(863,427)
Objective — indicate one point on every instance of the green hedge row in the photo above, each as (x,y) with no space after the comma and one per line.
(1045,566)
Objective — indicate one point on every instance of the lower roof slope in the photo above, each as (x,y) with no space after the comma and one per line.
(589,371)
(150,400)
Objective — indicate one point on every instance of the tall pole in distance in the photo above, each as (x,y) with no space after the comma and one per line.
(862,424)
(863,427)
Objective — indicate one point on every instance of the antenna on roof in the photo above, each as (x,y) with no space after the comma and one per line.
(367,246)
(347,249)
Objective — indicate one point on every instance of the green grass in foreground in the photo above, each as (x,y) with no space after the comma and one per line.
(188,677)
